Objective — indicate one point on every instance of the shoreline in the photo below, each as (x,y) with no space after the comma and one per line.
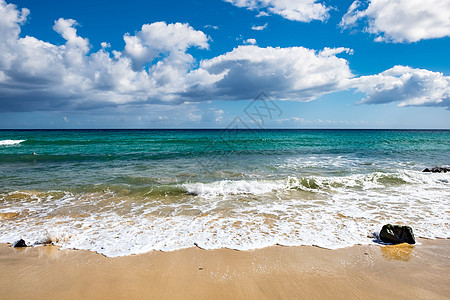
(276,272)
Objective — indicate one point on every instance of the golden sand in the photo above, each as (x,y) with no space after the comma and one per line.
(359,272)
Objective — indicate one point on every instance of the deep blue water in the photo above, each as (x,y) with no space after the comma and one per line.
(79,158)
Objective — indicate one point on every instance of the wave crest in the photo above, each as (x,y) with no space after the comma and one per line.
(10,142)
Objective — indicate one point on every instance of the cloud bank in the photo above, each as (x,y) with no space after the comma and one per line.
(155,67)
(401,21)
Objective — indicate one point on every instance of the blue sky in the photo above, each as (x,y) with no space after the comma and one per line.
(199,64)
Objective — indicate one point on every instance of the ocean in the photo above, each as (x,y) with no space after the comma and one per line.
(124,192)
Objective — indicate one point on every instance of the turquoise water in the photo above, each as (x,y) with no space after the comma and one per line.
(141,190)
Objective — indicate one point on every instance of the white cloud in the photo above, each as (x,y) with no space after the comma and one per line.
(36,75)
(295,10)
(259,28)
(401,21)
(262,14)
(10,19)
(66,28)
(160,38)
(352,16)
(211,27)
(294,73)
(250,42)
(408,86)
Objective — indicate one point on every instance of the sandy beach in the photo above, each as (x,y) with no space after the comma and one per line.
(359,272)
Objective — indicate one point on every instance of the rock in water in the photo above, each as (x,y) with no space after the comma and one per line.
(19,244)
(396,234)
(437,170)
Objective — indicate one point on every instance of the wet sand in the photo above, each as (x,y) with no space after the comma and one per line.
(359,272)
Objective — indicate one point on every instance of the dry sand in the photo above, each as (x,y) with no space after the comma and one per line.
(359,272)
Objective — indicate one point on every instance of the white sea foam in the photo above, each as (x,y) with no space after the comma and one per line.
(312,183)
(232,187)
(329,212)
(10,142)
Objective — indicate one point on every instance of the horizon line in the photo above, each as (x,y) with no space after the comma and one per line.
(225,128)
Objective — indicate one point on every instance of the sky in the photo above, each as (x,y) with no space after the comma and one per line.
(209,63)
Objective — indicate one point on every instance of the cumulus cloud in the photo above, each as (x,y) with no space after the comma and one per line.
(401,21)
(408,86)
(293,73)
(295,10)
(36,75)
(10,18)
(66,28)
(159,38)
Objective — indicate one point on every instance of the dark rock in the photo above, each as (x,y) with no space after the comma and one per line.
(396,234)
(437,170)
(20,244)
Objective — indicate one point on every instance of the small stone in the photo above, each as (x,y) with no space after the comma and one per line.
(20,244)
(397,234)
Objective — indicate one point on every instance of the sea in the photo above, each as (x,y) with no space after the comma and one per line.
(125,192)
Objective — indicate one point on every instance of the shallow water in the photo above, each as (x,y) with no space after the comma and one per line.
(124,192)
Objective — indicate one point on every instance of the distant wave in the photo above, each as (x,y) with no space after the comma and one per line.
(10,142)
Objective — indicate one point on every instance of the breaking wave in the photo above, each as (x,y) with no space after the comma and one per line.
(329,212)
